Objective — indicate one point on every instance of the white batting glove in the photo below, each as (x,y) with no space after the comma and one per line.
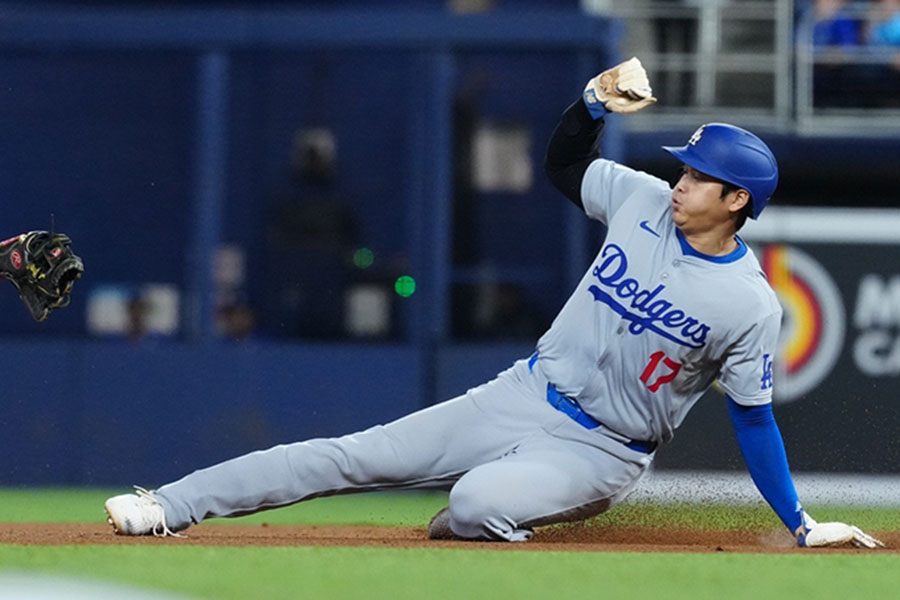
(624,88)
(812,534)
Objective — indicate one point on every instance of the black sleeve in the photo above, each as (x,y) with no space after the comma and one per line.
(573,146)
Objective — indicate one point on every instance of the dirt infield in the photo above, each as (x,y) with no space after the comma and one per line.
(579,538)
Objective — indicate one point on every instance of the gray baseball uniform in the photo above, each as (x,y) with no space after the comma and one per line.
(667,321)
(648,329)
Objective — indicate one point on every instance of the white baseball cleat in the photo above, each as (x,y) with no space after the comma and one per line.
(137,514)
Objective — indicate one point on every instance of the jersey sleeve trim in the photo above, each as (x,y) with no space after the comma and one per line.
(743,399)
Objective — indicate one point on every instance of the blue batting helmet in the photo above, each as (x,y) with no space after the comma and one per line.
(734,155)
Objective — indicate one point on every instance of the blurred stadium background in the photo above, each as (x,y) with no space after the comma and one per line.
(303,218)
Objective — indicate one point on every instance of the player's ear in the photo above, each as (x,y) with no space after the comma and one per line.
(738,200)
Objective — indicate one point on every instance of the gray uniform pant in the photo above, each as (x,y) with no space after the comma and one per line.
(510,460)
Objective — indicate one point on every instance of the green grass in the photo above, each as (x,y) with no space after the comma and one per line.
(242,573)
(337,572)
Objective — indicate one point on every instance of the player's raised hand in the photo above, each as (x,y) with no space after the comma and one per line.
(624,88)
(815,534)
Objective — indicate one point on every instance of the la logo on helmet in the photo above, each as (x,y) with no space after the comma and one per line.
(697,135)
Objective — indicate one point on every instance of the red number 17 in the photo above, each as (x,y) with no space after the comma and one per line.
(651,366)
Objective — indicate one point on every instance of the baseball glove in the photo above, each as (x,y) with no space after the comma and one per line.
(43,268)
(812,534)
(624,88)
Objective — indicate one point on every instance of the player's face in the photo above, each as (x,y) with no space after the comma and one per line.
(697,203)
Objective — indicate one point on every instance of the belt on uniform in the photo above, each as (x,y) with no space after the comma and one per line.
(571,408)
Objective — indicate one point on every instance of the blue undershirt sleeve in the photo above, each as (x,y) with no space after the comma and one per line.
(763,449)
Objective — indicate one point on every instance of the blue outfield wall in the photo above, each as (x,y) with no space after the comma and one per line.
(463,366)
(100,413)
(95,413)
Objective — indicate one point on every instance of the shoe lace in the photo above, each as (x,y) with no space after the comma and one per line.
(160,529)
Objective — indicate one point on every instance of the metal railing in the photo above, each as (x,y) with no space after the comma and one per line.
(815,114)
(747,59)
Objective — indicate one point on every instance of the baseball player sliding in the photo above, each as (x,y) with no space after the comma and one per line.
(567,433)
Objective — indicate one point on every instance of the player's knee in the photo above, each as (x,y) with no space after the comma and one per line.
(468,511)
(475,514)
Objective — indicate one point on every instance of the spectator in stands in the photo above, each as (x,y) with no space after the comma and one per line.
(309,247)
(883,32)
(835,28)
(884,23)
(136,326)
(235,321)
(835,24)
